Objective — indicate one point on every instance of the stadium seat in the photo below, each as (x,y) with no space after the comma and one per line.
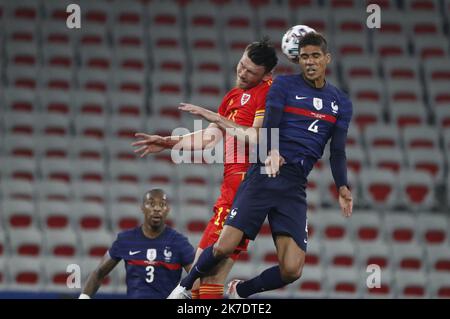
(436,70)
(130,81)
(311,283)
(18,146)
(407,114)
(314,253)
(57,170)
(366,91)
(339,253)
(403,91)
(393,22)
(97,80)
(58,55)
(128,37)
(55,101)
(424,137)
(438,94)
(18,214)
(124,127)
(23,32)
(60,243)
(164,13)
(417,6)
(386,158)
(342,282)
(349,21)
(96,12)
(120,149)
(26,273)
(25,242)
(17,190)
(90,125)
(128,13)
(92,34)
(382,136)
(55,215)
(22,76)
(127,104)
(315,17)
(20,100)
(388,45)
(417,190)
(365,226)
(379,188)
(4,276)
(89,216)
(53,124)
(57,274)
(438,258)
(164,82)
(202,38)
(194,218)
(95,243)
(89,170)
(264,250)
(82,147)
(54,190)
(125,171)
(374,252)
(166,37)
(331,225)
(273,17)
(427,47)
(52,33)
(411,284)
(19,169)
(424,24)
(22,54)
(439,285)
(53,147)
(359,67)
(89,102)
(442,115)
(236,18)
(89,191)
(401,68)
(400,227)
(124,193)
(125,216)
(128,58)
(433,228)
(386,289)
(356,159)
(420,160)
(408,256)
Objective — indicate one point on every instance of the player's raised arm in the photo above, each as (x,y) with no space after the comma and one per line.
(198,140)
(242,132)
(96,277)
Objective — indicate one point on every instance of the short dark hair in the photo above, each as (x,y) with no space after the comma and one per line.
(154,191)
(263,53)
(313,38)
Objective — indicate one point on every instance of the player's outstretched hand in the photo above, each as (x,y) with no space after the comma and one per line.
(208,115)
(149,144)
(273,163)
(345,201)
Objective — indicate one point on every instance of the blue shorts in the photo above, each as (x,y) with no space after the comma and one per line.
(282,199)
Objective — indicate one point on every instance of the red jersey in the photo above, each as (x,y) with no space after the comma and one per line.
(242,107)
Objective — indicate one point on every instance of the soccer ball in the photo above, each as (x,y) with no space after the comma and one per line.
(289,43)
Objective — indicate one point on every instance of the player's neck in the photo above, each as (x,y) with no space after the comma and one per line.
(151,232)
(317,84)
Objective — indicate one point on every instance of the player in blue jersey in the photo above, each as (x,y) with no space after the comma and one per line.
(154,254)
(308,111)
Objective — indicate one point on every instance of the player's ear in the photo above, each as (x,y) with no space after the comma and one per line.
(328,58)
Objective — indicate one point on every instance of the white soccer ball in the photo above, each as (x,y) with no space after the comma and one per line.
(289,43)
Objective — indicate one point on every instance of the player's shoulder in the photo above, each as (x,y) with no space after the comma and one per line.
(340,94)
(129,233)
(175,235)
(283,78)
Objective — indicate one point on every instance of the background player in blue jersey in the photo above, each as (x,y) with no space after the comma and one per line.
(308,112)
(154,254)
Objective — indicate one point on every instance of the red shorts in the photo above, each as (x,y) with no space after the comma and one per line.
(221,209)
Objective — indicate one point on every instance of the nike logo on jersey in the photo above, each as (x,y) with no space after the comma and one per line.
(300,97)
(132,253)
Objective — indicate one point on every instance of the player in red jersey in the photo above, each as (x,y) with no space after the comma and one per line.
(242,107)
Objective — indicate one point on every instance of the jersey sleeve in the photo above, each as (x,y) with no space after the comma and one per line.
(261,100)
(275,103)
(187,252)
(223,105)
(114,251)
(345,116)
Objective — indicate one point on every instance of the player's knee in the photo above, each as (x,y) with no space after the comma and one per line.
(291,272)
(222,251)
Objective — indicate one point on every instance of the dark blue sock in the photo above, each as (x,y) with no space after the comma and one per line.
(205,263)
(269,279)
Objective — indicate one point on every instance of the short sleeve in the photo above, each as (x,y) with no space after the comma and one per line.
(261,100)
(187,251)
(114,251)
(223,105)
(346,113)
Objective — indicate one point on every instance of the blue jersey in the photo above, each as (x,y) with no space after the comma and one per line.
(153,266)
(309,117)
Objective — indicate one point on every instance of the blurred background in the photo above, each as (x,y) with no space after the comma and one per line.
(72,99)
